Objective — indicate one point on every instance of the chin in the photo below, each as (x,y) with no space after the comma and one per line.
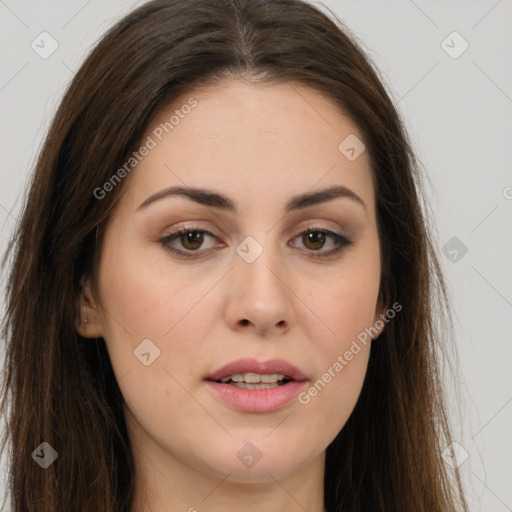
(259,461)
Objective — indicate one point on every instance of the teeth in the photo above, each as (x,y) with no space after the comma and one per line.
(261,385)
(254,378)
(271,378)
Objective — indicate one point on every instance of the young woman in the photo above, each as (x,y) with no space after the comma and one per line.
(224,291)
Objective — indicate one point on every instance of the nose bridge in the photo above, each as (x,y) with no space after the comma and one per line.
(258,288)
(257,264)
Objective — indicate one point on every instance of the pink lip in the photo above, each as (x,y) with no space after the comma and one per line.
(257,400)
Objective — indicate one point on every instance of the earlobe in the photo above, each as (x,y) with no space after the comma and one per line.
(87,319)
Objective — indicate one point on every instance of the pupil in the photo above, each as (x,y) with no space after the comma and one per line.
(316,238)
(193,240)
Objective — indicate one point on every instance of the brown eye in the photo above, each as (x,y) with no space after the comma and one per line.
(191,240)
(313,240)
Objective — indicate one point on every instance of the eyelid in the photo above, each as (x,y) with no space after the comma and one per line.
(342,242)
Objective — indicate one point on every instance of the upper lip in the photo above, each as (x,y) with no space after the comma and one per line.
(247,365)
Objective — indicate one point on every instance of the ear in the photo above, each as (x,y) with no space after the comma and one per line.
(87,320)
(379,321)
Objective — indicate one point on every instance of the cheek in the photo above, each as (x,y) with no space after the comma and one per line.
(143,295)
(331,398)
(344,305)
(145,298)
(341,358)
(341,312)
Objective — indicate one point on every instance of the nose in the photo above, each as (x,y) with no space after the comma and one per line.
(259,298)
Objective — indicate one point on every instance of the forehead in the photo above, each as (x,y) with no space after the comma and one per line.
(259,142)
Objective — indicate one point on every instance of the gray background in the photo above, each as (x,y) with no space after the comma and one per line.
(458,112)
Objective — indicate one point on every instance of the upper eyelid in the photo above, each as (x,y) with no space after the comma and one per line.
(205,230)
(174,235)
(341,229)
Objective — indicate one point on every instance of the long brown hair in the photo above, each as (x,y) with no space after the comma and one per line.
(60,388)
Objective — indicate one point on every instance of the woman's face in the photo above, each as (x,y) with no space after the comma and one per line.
(258,276)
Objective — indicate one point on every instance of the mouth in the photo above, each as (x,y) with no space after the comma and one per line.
(252,386)
(251,371)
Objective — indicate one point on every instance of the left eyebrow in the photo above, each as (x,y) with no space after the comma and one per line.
(222,202)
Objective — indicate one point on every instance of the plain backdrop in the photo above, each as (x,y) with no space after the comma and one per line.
(447,66)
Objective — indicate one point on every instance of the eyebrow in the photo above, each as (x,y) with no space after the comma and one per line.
(217,200)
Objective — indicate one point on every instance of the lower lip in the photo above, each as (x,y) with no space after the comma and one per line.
(257,400)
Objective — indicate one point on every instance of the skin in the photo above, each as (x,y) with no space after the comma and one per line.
(258,145)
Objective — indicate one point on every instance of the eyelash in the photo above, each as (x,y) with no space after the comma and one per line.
(342,241)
